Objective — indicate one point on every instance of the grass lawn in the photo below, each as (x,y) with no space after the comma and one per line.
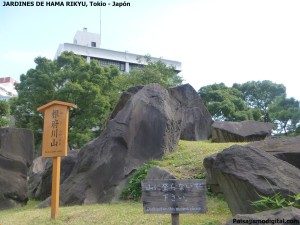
(185,162)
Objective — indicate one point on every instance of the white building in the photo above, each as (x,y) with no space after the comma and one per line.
(87,45)
(7,88)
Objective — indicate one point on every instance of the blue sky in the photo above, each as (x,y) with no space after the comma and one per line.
(230,41)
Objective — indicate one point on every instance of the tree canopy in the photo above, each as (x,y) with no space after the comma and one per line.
(226,103)
(71,79)
(285,113)
(254,100)
(260,94)
(153,72)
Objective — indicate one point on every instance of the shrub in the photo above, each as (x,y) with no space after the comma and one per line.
(276,201)
(134,189)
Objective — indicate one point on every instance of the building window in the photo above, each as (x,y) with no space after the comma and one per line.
(122,67)
(93,44)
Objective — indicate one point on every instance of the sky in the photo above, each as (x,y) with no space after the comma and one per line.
(229,41)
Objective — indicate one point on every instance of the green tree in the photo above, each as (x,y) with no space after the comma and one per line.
(153,72)
(226,103)
(285,113)
(71,79)
(4,113)
(260,94)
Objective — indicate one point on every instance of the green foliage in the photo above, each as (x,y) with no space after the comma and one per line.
(285,112)
(4,113)
(200,176)
(225,103)
(276,201)
(134,189)
(71,79)
(254,100)
(260,94)
(153,72)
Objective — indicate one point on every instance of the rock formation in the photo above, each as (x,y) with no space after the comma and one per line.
(40,175)
(196,120)
(16,155)
(224,131)
(243,172)
(285,148)
(156,173)
(125,96)
(211,179)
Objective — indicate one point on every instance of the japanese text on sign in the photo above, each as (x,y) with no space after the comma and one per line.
(174,196)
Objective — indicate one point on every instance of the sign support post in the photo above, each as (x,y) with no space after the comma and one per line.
(55,143)
(175,218)
(55,186)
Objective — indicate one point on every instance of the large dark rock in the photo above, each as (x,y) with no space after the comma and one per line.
(211,179)
(196,120)
(276,216)
(243,172)
(286,148)
(16,155)
(245,131)
(126,95)
(40,174)
(156,173)
(146,128)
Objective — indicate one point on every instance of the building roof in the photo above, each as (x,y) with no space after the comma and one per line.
(82,46)
(111,55)
(85,38)
(7,80)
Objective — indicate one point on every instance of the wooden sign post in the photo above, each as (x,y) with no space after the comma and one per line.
(174,197)
(55,142)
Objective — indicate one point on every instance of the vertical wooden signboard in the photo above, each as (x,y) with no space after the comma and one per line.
(55,142)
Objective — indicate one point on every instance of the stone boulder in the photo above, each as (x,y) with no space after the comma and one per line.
(245,131)
(243,172)
(16,155)
(146,128)
(283,216)
(40,175)
(196,120)
(286,148)
(156,173)
(126,95)
(211,179)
